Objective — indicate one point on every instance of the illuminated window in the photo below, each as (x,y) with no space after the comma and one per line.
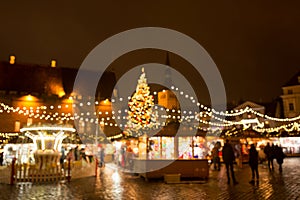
(53,63)
(17,126)
(291,107)
(12,60)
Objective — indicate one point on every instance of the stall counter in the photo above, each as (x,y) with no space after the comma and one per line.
(187,168)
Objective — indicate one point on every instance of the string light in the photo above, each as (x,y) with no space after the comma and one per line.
(61,116)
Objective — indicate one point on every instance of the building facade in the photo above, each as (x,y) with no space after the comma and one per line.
(291,97)
(32,94)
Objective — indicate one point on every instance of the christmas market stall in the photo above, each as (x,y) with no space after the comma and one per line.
(171,153)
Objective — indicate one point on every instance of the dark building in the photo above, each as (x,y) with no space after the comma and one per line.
(33,94)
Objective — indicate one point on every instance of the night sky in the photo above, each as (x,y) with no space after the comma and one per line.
(256,45)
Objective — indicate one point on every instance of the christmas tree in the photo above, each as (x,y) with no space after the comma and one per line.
(140,115)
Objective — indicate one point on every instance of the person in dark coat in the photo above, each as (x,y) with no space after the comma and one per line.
(279,155)
(215,156)
(228,158)
(62,157)
(269,151)
(253,162)
(76,153)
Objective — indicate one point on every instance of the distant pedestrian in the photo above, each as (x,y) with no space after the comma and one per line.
(62,157)
(76,153)
(83,155)
(70,156)
(269,151)
(238,155)
(261,155)
(228,158)
(279,155)
(129,158)
(253,162)
(102,155)
(215,156)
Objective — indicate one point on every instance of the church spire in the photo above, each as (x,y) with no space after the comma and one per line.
(168,75)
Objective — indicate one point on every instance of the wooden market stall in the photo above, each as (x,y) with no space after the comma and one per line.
(169,153)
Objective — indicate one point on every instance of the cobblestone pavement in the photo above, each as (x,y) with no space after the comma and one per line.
(113,184)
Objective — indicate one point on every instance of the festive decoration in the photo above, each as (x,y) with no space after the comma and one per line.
(63,112)
(47,137)
(140,115)
(47,140)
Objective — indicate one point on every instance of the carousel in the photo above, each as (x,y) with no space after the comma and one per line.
(47,141)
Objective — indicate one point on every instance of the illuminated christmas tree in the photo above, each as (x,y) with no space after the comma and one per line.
(140,115)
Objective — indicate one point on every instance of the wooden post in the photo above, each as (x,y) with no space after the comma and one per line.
(160,144)
(147,148)
(69,169)
(176,149)
(96,168)
(12,171)
(192,147)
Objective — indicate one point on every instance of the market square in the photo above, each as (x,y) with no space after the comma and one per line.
(149,103)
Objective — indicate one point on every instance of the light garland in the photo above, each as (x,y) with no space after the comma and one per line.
(43,113)
(293,127)
(67,117)
(47,128)
(115,136)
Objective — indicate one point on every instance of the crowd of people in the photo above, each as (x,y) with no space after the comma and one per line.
(123,157)
(272,152)
(74,154)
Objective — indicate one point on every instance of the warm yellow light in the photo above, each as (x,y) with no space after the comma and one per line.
(12,60)
(106,101)
(29,98)
(53,63)
(61,93)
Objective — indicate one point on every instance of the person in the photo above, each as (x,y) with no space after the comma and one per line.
(83,155)
(76,153)
(129,157)
(228,158)
(215,156)
(102,155)
(122,156)
(62,157)
(70,155)
(238,155)
(261,155)
(269,151)
(253,162)
(279,155)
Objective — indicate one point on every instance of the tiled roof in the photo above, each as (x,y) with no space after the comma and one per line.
(249,104)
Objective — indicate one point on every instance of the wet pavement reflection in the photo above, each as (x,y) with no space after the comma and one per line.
(115,184)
